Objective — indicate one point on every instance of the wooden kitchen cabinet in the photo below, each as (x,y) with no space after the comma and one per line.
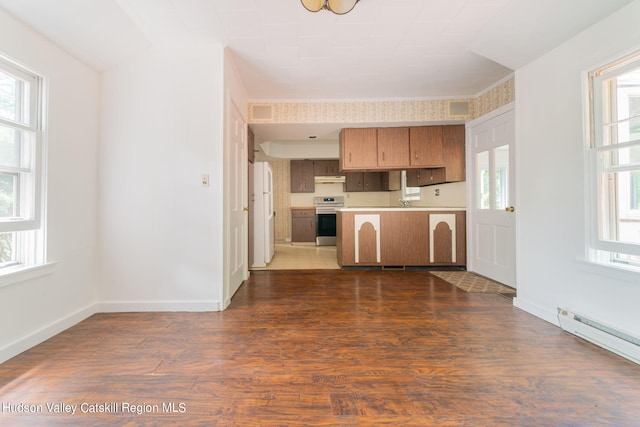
(425,143)
(303,225)
(404,238)
(422,177)
(393,148)
(401,238)
(302,177)
(453,152)
(326,167)
(372,181)
(358,149)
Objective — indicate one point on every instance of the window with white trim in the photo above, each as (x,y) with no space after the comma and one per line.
(21,168)
(614,157)
(409,193)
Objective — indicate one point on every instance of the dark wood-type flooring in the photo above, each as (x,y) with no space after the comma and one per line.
(326,348)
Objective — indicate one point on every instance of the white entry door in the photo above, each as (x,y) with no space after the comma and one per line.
(492,203)
(237,192)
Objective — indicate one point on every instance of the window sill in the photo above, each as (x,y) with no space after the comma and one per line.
(612,270)
(14,275)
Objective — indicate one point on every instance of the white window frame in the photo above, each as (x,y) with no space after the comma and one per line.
(604,247)
(28,225)
(409,193)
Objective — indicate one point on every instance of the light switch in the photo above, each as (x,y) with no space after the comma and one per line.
(205,180)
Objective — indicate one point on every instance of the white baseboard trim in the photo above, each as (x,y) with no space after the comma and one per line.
(550,316)
(144,306)
(45,333)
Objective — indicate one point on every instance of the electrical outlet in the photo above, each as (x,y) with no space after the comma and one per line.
(437,192)
(205,180)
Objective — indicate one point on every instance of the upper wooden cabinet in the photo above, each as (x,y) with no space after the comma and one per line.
(425,143)
(453,152)
(302,178)
(358,149)
(421,147)
(393,148)
(326,167)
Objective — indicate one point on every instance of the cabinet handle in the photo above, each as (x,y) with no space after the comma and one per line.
(349,157)
(416,156)
(383,156)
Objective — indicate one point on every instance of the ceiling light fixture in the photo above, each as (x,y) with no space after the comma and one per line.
(339,7)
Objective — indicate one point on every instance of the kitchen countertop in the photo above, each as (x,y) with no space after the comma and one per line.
(399,209)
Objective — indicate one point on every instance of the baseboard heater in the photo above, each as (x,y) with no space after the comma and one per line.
(604,336)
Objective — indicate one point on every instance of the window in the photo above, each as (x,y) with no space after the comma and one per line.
(614,156)
(21,147)
(409,193)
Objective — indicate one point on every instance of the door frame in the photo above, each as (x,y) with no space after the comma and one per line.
(472,186)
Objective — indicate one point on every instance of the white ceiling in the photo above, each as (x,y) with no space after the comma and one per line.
(383,49)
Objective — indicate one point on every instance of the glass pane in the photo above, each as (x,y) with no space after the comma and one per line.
(620,213)
(502,176)
(14,95)
(484,185)
(9,195)
(7,248)
(12,142)
(627,92)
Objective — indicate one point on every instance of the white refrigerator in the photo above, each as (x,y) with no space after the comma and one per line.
(263,215)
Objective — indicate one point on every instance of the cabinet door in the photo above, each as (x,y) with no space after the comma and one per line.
(358,149)
(425,144)
(326,168)
(453,152)
(391,181)
(372,181)
(354,181)
(302,179)
(393,147)
(303,225)
(422,177)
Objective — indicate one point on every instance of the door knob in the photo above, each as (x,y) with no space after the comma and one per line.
(510,209)
(245,209)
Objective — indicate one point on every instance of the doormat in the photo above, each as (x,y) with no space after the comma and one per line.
(471,282)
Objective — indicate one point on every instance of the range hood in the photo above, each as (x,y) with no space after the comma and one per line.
(330,179)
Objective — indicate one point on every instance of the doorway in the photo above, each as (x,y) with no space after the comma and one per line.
(491,196)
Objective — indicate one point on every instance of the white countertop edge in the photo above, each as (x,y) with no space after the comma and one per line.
(399,209)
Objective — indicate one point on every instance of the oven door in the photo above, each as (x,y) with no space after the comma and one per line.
(325,228)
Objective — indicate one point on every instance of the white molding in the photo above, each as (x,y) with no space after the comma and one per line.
(161,306)
(45,333)
(543,313)
(490,115)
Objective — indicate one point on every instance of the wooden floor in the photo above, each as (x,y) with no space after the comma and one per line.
(325,348)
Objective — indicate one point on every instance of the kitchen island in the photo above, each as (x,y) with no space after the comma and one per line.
(401,237)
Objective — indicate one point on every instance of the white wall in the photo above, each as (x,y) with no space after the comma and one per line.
(550,150)
(161,232)
(34,310)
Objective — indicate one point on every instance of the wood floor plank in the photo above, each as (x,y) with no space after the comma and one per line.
(326,348)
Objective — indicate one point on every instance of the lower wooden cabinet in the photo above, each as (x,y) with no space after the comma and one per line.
(401,238)
(303,225)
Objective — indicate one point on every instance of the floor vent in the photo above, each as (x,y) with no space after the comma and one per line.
(621,343)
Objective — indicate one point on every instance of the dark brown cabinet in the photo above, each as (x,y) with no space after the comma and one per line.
(326,167)
(303,225)
(302,176)
(422,177)
(372,181)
